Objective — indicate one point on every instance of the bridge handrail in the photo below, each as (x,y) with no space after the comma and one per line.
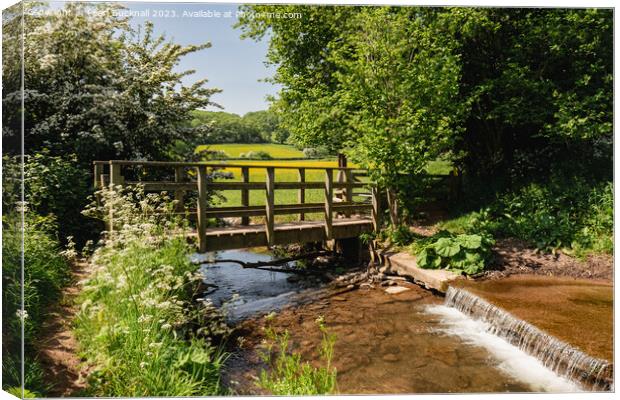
(218,165)
(347,180)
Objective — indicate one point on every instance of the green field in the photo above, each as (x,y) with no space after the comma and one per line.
(236,149)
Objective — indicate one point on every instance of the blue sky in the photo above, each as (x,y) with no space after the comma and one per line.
(234,65)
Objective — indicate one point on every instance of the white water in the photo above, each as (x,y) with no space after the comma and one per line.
(512,360)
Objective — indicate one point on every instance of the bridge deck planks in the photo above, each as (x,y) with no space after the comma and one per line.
(235,237)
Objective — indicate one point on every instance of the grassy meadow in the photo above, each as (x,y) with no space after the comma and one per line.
(235,150)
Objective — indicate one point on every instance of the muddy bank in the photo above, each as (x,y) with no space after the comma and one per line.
(513,256)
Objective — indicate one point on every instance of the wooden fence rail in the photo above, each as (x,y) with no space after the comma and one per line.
(337,198)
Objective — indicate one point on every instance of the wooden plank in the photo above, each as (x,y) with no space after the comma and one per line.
(348,190)
(165,186)
(245,194)
(301,194)
(116,177)
(376,210)
(97,175)
(298,232)
(179,195)
(329,199)
(216,165)
(115,180)
(269,203)
(202,209)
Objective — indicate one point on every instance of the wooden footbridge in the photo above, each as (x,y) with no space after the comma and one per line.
(344,213)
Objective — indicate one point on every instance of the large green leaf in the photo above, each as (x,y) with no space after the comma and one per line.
(446,247)
(470,241)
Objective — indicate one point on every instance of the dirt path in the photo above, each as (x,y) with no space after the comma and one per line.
(58,346)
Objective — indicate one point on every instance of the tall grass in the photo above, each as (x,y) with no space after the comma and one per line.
(289,375)
(46,271)
(135,324)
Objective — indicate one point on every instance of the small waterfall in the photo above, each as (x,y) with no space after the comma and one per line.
(558,356)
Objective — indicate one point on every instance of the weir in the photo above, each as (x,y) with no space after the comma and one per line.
(560,357)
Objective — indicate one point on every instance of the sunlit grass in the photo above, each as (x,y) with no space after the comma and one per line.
(236,149)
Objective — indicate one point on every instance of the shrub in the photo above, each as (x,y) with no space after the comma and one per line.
(57,187)
(563,213)
(289,376)
(316,152)
(256,155)
(462,253)
(135,325)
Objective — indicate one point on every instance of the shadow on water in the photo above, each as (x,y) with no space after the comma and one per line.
(246,292)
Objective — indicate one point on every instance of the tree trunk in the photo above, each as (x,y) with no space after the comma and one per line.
(392,200)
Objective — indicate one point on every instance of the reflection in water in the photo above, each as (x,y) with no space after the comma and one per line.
(247,291)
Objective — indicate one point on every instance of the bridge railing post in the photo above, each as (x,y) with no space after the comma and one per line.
(179,194)
(202,208)
(116,179)
(329,200)
(269,205)
(348,190)
(301,193)
(245,194)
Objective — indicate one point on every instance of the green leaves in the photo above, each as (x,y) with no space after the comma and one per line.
(459,253)
(447,247)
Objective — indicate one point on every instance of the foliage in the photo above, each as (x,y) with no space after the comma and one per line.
(135,325)
(224,127)
(289,376)
(54,187)
(45,272)
(375,81)
(399,236)
(256,155)
(539,82)
(461,253)
(96,86)
(316,152)
(508,95)
(562,213)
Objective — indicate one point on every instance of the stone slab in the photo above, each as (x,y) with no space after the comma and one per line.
(396,289)
(405,264)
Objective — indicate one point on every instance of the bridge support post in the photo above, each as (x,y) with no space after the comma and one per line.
(269,206)
(329,201)
(202,209)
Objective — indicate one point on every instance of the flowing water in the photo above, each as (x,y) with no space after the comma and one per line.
(410,342)
(556,355)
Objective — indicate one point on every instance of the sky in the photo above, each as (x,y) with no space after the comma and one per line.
(234,65)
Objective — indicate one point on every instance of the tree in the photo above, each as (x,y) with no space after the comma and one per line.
(95,86)
(539,82)
(378,84)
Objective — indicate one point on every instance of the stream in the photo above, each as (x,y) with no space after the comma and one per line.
(386,343)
